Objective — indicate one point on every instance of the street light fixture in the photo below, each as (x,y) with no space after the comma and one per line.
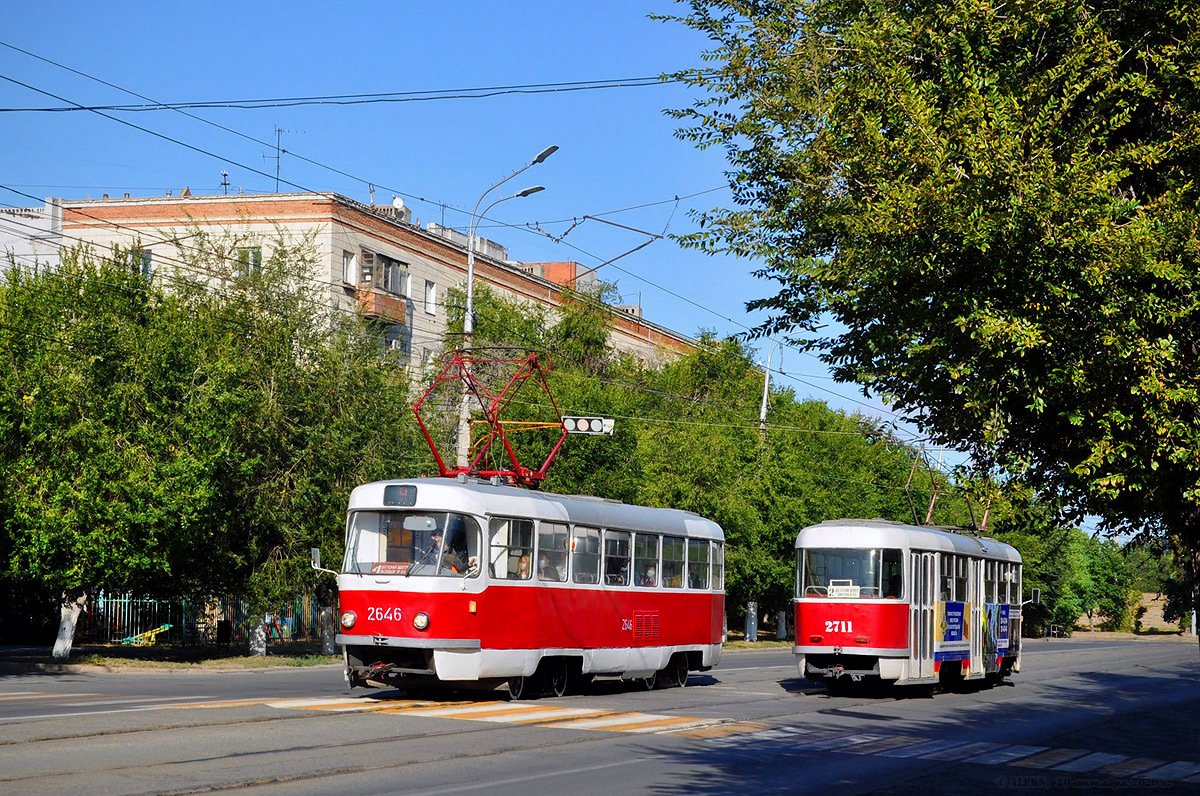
(464,417)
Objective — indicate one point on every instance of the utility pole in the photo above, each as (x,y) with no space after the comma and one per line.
(762,410)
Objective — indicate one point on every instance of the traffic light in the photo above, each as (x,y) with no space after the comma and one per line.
(588,425)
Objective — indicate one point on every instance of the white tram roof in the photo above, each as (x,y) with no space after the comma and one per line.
(486,499)
(885,533)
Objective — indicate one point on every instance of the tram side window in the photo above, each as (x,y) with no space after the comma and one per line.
(616,558)
(946,577)
(718,566)
(961,566)
(891,575)
(585,554)
(672,562)
(697,563)
(552,552)
(990,581)
(511,548)
(645,559)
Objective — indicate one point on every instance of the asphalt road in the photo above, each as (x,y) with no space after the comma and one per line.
(1089,717)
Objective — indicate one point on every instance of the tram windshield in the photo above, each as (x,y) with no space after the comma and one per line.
(412,543)
(850,574)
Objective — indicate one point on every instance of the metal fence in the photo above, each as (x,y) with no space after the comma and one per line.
(134,620)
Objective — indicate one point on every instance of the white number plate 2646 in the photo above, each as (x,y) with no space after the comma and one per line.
(382,614)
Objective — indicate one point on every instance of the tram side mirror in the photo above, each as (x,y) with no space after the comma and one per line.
(316,558)
(1036,597)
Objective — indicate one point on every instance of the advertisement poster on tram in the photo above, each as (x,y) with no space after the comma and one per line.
(995,628)
(951,638)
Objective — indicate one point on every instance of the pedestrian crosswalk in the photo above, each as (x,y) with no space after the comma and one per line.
(769,741)
(529,713)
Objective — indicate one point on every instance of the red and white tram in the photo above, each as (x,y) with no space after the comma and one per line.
(907,604)
(466,581)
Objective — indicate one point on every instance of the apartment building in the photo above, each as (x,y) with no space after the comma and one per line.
(373,259)
(31,236)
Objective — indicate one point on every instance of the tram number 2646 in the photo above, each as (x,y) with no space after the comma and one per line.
(839,626)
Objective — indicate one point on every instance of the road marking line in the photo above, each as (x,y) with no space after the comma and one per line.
(524,712)
(963,751)
(1132,767)
(605,721)
(128,701)
(224,703)
(1173,771)
(1001,756)
(45,696)
(918,749)
(574,715)
(1091,762)
(653,725)
(884,744)
(722,731)
(1050,759)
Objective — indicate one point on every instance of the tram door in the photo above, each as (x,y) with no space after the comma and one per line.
(920,663)
(976,598)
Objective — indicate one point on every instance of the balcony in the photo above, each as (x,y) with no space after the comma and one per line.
(376,303)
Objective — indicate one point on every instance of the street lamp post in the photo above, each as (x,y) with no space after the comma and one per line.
(464,415)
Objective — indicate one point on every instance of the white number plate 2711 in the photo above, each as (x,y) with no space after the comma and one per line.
(383,614)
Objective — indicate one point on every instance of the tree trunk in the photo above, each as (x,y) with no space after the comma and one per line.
(328,631)
(326,598)
(69,611)
(258,639)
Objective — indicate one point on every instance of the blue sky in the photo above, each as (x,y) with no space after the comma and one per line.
(617,148)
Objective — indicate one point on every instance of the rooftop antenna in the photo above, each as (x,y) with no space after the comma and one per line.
(225,181)
(279,151)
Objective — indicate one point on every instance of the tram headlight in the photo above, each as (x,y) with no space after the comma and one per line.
(421,620)
(348,619)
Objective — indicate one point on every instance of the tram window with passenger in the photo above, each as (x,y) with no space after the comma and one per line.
(645,559)
(511,549)
(672,562)
(851,574)
(616,558)
(585,555)
(552,552)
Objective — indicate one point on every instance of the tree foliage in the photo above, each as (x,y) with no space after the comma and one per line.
(190,435)
(987,213)
(687,437)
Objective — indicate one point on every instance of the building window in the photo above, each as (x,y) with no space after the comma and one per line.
(249,262)
(366,274)
(430,297)
(394,338)
(395,277)
(349,267)
(139,262)
(381,271)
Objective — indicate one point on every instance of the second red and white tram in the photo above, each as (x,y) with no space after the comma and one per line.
(907,604)
(464,581)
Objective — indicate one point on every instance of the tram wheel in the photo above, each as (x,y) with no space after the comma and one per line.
(678,672)
(557,677)
(521,688)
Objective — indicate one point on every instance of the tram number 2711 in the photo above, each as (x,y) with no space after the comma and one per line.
(839,626)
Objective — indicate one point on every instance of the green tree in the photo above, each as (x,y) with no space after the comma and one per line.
(188,436)
(986,213)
